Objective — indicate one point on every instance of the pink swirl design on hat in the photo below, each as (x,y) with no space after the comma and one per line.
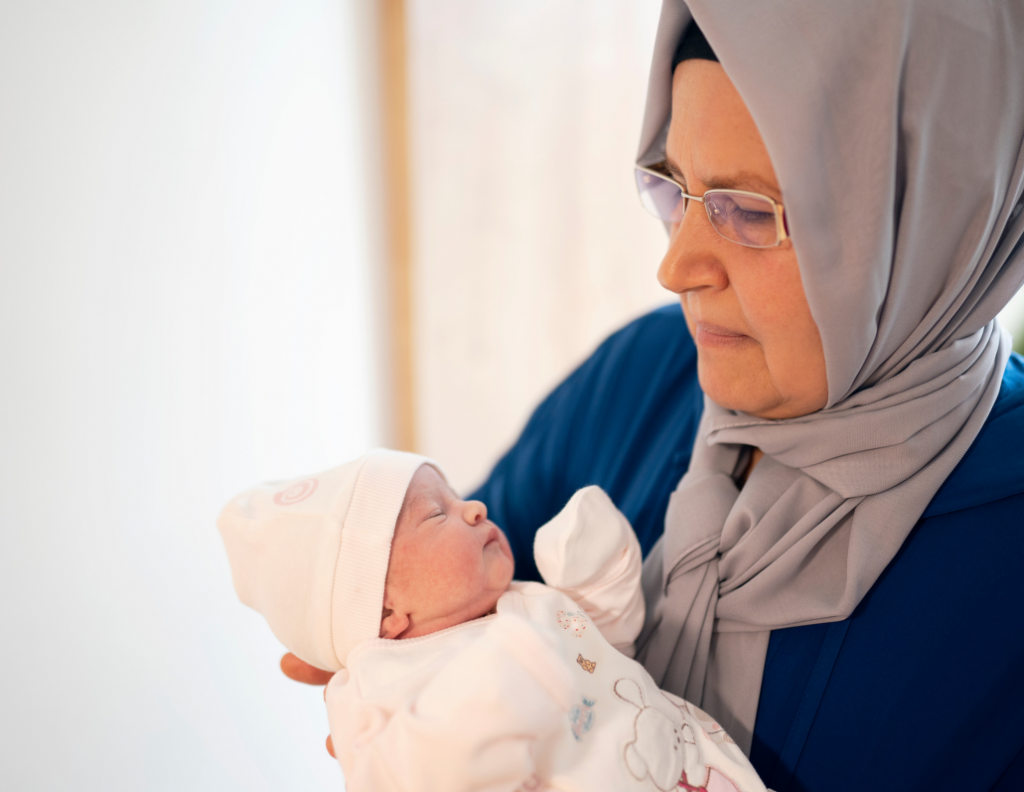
(296,493)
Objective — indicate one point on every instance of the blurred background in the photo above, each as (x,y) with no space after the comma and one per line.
(244,241)
(220,268)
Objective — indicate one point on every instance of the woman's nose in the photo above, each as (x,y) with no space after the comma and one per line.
(692,260)
(475,512)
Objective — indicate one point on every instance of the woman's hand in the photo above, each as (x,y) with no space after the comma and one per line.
(303,672)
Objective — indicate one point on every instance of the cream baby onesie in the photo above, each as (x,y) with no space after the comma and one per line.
(542,694)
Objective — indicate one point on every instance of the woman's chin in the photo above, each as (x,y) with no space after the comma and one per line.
(745,406)
(755,402)
(734,387)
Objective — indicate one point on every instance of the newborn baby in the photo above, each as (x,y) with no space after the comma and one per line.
(452,676)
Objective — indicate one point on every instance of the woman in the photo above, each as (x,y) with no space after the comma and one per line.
(836,576)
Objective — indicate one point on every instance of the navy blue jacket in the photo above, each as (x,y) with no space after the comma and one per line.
(923,686)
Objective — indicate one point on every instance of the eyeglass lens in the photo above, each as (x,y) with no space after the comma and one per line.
(660,197)
(738,216)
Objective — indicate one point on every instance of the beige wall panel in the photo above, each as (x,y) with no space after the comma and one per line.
(529,243)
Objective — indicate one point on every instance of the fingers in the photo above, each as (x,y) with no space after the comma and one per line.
(301,671)
(330,746)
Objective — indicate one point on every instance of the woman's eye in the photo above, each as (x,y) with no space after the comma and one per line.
(755,217)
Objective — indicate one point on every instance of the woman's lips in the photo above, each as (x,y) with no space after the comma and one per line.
(707,334)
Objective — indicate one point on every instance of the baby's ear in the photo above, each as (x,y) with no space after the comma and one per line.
(393,624)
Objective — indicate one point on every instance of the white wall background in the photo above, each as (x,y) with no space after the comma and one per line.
(530,243)
(185,310)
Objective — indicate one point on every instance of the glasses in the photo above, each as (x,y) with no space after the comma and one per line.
(746,218)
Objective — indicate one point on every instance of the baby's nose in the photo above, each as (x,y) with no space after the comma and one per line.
(476,512)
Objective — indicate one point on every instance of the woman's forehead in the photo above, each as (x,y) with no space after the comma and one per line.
(712,137)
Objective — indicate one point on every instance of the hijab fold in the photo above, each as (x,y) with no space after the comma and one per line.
(895,128)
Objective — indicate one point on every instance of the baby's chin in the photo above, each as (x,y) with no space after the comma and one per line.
(504,567)
(499,579)
(492,604)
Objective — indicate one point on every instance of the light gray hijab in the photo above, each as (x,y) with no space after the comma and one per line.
(895,128)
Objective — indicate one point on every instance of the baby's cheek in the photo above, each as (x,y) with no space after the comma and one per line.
(455,568)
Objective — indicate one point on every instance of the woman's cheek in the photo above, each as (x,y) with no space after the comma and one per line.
(794,361)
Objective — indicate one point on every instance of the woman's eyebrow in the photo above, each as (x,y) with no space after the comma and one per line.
(674,171)
(741,180)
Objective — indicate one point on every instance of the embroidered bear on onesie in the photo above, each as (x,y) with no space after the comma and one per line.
(655,731)
(684,765)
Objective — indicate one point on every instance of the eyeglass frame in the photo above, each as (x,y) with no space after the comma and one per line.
(660,170)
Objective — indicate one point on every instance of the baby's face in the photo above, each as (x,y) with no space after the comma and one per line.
(449,563)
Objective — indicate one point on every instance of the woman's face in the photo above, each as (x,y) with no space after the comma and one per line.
(759,350)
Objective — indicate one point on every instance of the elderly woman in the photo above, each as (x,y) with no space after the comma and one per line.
(823,451)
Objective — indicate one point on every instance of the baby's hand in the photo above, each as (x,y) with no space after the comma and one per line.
(583,540)
(303,672)
(590,553)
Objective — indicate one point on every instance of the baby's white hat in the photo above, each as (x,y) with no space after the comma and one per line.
(311,554)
